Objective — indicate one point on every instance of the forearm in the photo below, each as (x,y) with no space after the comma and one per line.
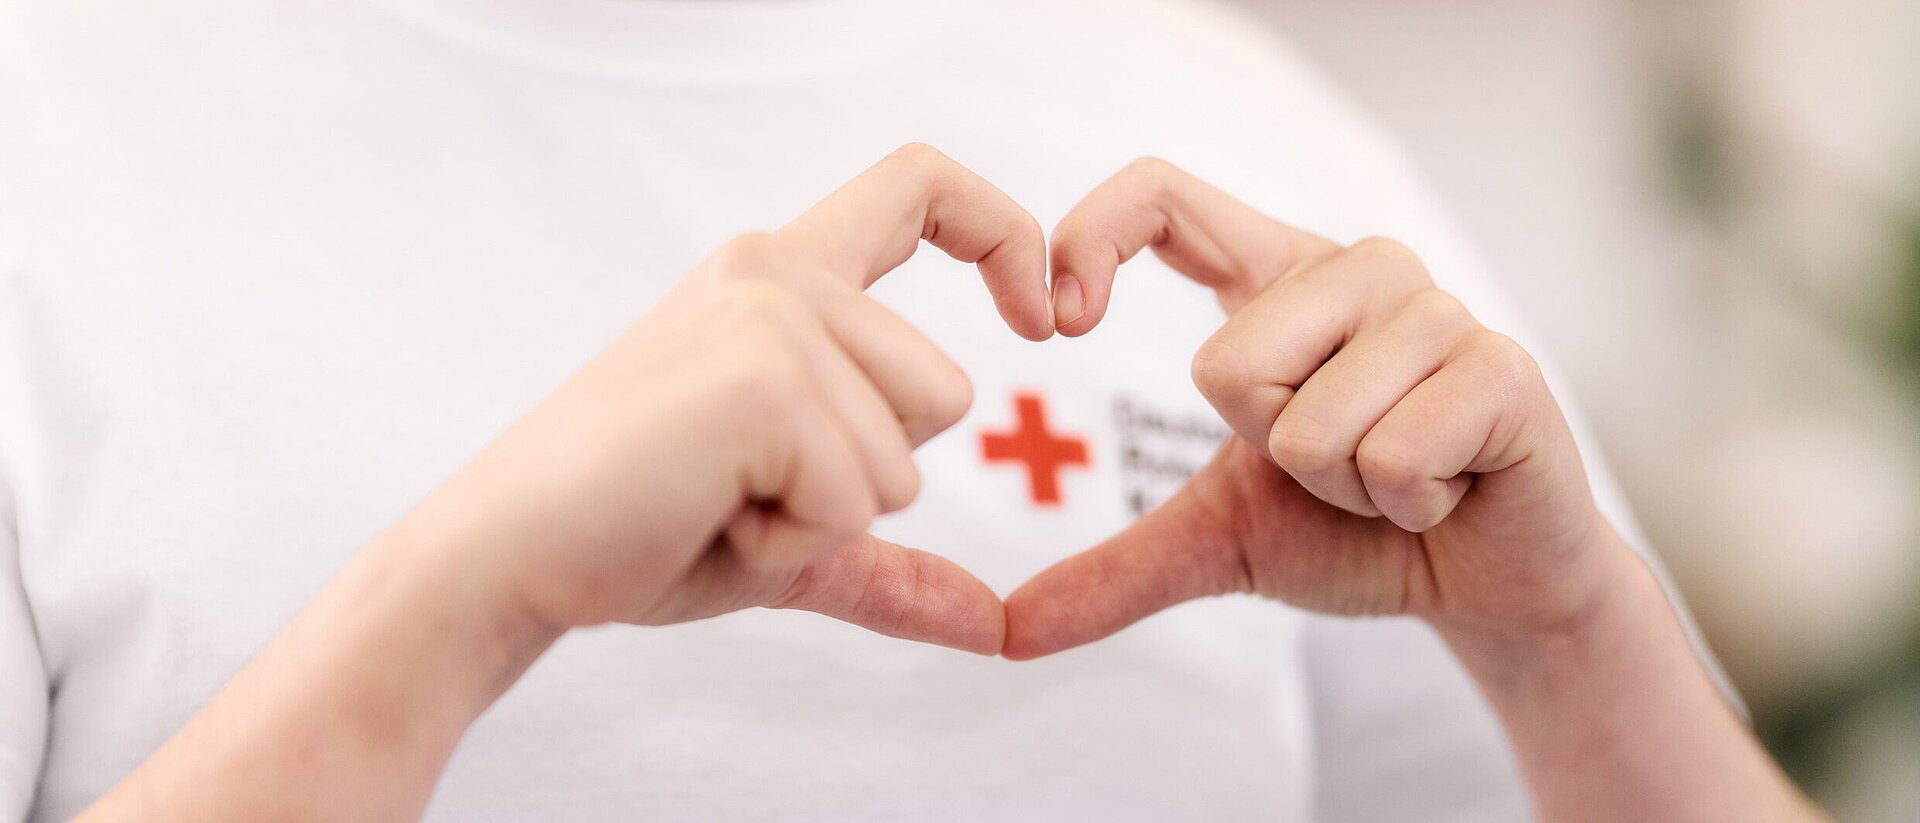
(1614,718)
(351,711)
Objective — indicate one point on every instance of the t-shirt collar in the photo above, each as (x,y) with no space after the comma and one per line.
(687,41)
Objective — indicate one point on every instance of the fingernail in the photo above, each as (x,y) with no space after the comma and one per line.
(1068,304)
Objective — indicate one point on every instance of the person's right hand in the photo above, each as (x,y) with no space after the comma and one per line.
(730,449)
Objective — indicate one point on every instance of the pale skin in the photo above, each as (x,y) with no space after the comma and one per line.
(731,448)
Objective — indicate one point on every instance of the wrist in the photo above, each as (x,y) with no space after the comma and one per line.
(445,587)
(1617,603)
(393,661)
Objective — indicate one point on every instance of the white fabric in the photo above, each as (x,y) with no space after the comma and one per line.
(270,271)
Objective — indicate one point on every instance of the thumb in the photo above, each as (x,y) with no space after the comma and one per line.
(901,592)
(1178,552)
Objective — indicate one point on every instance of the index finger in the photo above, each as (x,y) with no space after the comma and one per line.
(873,223)
(1200,231)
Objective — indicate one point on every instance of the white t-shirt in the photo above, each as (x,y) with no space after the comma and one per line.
(270,271)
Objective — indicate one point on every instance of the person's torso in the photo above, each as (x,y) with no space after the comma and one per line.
(278,288)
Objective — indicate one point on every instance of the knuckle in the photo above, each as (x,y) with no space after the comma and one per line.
(1509,367)
(1303,446)
(1383,248)
(1156,176)
(900,489)
(1025,228)
(1391,257)
(765,257)
(1390,465)
(919,155)
(750,254)
(1150,166)
(951,398)
(1437,306)
(1221,371)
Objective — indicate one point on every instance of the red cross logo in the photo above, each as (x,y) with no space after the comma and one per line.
(1042,451)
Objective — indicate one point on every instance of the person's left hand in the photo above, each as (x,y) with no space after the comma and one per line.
(1394,456)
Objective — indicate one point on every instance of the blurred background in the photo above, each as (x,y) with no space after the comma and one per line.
(1712,209)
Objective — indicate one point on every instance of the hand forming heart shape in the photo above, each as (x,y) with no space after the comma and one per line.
(1393,456)
(775,407)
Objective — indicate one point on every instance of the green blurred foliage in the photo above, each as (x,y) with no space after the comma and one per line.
(1804,734)
(1906,334)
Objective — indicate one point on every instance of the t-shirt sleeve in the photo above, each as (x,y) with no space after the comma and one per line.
(23,680)
(24,703)
(1401,733)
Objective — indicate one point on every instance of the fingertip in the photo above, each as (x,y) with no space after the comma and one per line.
(1079,327)
(1022,298)
(1075,307)
(973,620)
(1036,333)
(1083,272)
(1021,653)
(1033,620)
(992,638)
(1023,646)
(1069,304)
